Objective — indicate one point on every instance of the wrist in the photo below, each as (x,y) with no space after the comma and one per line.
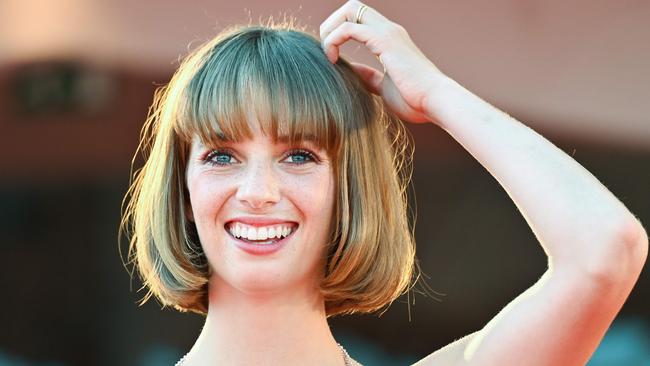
(443,90)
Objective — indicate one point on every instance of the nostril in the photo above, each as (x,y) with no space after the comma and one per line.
(258,198)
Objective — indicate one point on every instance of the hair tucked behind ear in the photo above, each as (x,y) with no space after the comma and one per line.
(281,73)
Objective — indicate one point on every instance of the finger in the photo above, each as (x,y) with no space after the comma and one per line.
(335,19)
(371,77)
(348,13)
(358,32)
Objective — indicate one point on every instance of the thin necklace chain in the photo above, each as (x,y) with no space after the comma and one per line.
(346,357)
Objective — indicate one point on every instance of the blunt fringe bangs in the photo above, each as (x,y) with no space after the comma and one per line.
(279,79)
(278,76)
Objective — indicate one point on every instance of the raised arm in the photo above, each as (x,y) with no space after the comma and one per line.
(580,224)
(595,246)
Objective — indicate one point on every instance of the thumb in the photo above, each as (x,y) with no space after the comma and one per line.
(371,77)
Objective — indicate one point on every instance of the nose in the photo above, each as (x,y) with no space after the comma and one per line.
(259,186)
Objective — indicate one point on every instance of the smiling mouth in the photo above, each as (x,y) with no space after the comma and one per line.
(260,235)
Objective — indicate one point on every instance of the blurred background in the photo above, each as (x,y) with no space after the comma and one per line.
(77,78)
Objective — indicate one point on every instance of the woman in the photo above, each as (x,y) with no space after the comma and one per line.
(273,197)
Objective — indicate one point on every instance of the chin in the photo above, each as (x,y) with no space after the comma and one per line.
(253,280)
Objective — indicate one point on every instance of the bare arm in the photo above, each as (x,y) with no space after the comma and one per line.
(595,246)
(579,223)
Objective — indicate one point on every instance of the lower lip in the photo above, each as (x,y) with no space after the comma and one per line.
(261,249)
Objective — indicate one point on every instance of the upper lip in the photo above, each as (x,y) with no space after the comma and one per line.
(260,221)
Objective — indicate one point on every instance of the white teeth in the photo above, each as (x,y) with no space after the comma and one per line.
(262,233)
(240,230)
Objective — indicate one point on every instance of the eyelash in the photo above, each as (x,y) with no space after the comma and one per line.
(213,153)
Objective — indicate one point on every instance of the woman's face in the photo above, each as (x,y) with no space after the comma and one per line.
(262,211)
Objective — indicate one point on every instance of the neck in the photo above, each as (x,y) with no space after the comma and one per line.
(288,328)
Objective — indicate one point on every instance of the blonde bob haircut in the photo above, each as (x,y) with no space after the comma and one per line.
(279,72)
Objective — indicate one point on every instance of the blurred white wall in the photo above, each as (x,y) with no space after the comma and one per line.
(576,68)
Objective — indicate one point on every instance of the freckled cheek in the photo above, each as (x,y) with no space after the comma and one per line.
(313,195)
(208,196)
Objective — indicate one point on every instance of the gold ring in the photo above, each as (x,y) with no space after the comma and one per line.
(360,11)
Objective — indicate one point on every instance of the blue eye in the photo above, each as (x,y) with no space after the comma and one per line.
(219,157)
(299,157)
(224,157)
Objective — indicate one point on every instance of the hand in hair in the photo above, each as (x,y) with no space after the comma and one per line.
(596,247)
(409,75)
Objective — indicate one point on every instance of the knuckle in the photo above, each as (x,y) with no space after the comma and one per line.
(397,29)
(354,4)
